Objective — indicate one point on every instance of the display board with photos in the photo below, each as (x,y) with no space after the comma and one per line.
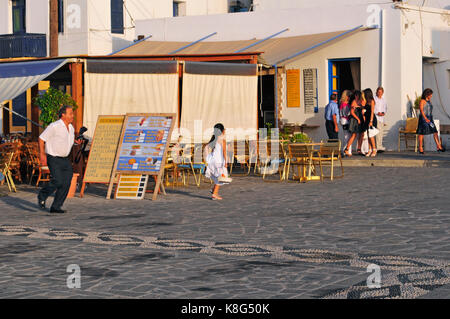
(143,146)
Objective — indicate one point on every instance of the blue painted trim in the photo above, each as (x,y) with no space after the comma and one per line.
(191,44)
(330,72)
(24,69)
(319,44)
(132,44)
(260,41)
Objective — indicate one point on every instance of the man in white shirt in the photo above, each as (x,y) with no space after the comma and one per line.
(55,144)
(380,112)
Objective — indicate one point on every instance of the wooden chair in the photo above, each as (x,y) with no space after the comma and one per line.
(328,153)
(5,165)
(171,169)
(32,160)
(15,163)
(302,155)
(409,132)
(267,155)
(199,163)
(44,174)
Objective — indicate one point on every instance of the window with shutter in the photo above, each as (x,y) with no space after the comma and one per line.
(18,16)
(61,16)
(117,16)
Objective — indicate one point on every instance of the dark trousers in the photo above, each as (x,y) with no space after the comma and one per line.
(332,134)
(61,177)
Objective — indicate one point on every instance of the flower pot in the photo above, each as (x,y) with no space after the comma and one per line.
(73,186)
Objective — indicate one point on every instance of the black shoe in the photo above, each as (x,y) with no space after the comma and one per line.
(421,152)
(41,203)
(57,211)
(442,150)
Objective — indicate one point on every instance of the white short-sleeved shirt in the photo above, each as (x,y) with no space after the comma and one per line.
(380,107)
(58,140)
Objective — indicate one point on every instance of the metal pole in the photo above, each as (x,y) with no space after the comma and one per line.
(260,41)
(20,115)
(191,44)
(132,44)
(319,44)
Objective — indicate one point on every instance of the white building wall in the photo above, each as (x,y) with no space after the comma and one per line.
(74,40)
(206,7)
(361,45)
(250,25)
(36,16)
(260,5)
(5,17)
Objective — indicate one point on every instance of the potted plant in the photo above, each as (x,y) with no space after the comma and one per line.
(50,102)
(300,138)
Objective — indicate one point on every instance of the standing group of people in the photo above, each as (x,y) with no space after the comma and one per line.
(359,113)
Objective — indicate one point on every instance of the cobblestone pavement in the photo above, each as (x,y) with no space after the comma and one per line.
(264,240)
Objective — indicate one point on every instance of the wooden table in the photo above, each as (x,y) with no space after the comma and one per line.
(309,177)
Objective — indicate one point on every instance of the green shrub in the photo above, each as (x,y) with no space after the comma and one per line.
(50,102)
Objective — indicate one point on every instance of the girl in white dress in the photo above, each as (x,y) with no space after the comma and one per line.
(215,152)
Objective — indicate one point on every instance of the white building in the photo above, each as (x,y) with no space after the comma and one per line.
(101,26)
(404,49)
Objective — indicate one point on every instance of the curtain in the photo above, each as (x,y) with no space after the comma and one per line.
(229,97)
(139,91)
(355,67)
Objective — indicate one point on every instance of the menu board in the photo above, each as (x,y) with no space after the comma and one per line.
(103,150)
(293,87)
(310,90)
(131,186)
(144,143)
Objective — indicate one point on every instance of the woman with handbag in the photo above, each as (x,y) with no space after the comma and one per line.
(426,123)
(344,110)
(356,119)
(370,123)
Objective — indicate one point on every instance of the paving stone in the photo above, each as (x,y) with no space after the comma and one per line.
(396,214)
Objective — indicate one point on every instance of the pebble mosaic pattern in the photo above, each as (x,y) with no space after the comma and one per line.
(409,277)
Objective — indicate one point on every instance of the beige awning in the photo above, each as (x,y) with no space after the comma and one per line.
(274,51)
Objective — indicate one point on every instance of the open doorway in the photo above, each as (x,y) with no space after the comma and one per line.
(344,74)
(266,100)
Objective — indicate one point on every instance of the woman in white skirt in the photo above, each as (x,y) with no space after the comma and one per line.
(216,154)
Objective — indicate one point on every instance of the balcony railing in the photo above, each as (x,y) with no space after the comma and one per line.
(23,45)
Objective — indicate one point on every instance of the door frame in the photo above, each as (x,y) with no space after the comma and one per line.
(330,72)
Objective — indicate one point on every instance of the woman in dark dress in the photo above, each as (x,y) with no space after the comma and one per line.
(370,120)
(356,120)
(426,123)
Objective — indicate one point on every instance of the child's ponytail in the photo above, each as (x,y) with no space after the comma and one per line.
(218,130)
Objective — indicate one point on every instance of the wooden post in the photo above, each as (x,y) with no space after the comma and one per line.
(77,93)
(54,28)
(279,93)
(6,127)
(34,113)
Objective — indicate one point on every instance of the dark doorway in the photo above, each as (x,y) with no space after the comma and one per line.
(266,100)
